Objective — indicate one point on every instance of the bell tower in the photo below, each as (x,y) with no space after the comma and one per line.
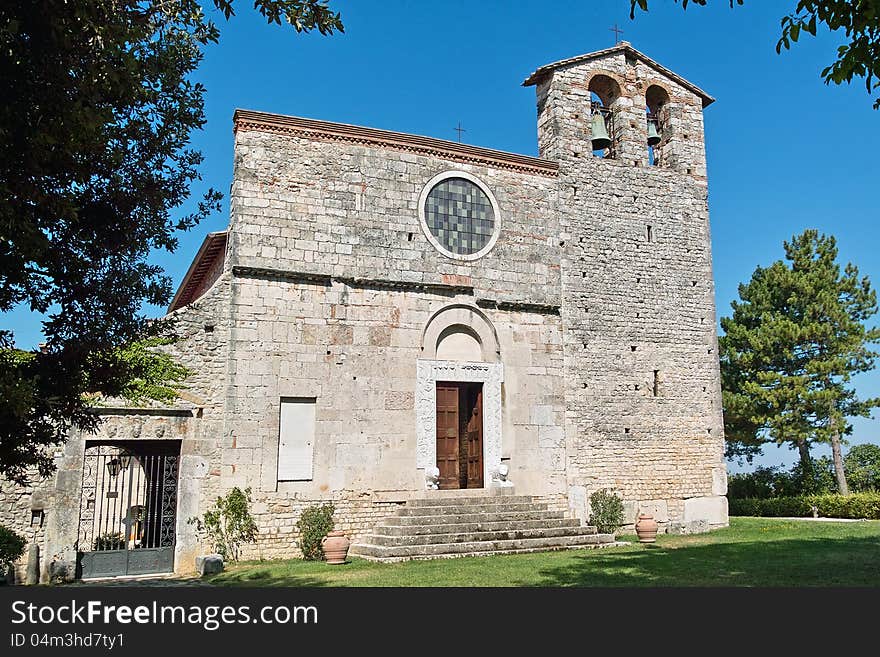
(642,381)
(633,95)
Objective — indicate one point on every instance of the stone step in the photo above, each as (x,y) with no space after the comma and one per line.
(388,528)
(459,509)
(377,538)
(511,516)
(478,548)
(466,500)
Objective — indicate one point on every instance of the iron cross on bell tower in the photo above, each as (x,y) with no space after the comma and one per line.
(617,32)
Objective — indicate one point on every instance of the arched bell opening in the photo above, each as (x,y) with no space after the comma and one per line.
(604,94)
(657,118)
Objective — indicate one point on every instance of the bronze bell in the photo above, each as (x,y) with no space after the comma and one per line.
(653,134)
(599,132)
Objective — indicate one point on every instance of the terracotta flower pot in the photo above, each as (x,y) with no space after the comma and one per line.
(335,546)
(646,528)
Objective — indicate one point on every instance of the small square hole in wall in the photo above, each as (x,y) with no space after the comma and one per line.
(708,430)
(584,385)
(690,171)
(693,284)
(561,242)
(637,387)
(626,431)
(709,351)
(632,347)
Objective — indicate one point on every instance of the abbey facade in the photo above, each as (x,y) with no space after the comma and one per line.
(389,316)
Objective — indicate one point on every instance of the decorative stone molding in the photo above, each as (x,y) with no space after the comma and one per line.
(428,373)
(461,314)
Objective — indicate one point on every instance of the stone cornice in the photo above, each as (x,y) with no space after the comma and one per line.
(429,146)
(449,289)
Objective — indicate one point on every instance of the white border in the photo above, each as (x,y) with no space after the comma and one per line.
(423,197)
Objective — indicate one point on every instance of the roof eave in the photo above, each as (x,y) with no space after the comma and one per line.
(184,284)
(623,46)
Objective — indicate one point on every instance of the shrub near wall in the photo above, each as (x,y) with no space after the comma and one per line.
(858,505)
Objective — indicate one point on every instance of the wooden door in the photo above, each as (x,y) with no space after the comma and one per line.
(447,434)
(474,433)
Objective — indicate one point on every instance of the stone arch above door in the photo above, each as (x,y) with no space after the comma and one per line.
(464,319)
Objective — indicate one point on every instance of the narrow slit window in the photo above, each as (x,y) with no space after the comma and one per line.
(650,233)
(656,385)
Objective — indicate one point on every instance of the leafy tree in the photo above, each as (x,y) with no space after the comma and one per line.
(98,109)
(791,347)
(858,19)
(862,466)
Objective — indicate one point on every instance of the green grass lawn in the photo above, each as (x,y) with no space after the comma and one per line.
(751,552)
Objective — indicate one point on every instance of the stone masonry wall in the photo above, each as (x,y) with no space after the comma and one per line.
(637,300)
(346,210)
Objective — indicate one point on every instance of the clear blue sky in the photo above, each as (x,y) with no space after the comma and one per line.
(786,152)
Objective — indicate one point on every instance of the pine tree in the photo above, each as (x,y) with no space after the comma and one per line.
(797,336)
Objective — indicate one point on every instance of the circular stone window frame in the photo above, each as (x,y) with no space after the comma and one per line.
(423,220)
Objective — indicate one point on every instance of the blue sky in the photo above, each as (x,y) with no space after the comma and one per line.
(786,152)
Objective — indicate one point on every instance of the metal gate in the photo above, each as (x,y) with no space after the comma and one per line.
(128,510)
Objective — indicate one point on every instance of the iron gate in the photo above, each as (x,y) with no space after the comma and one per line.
(128,511)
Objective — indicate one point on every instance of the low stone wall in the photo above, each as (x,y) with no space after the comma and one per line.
(278,536)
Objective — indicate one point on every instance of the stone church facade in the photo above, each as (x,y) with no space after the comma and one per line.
(388,314)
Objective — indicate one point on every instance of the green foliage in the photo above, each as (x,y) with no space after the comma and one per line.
(96,163)
(858,20)
(795,339)
(315,522)
(606,511)
(229,524)
(862,464)
(32,419)
(12,547)
(109,541)
(767,482)
(147,373)
(856,505)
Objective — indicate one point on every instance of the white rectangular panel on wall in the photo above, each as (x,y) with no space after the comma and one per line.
(296,439)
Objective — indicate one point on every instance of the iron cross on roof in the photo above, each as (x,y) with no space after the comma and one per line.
(617,32)
(459,130)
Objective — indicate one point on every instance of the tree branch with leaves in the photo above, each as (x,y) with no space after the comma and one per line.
(99,108)
(858,20)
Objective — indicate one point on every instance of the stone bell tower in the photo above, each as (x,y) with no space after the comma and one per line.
(643,394)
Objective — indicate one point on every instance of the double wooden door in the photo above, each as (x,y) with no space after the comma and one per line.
(460,435)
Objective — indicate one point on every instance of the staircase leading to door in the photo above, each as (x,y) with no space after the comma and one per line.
(472,525)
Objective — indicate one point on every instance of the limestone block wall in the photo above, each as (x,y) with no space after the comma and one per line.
(355,350)
(302,204)
(643,398)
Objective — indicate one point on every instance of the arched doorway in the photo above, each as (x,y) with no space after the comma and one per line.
(458,399)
